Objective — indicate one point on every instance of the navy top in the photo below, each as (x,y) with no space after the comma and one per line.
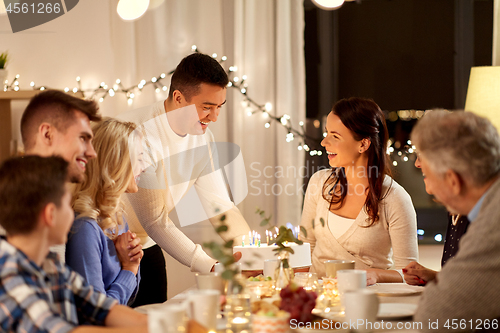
(92,254)
(453,235)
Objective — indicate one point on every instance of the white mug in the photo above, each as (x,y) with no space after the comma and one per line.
(203,306)
(210,280)
(361,308)
(167,318)
(350,280)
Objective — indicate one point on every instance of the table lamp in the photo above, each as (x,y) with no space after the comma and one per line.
(483,94)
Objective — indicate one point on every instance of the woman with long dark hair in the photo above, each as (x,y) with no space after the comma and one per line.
(355,210)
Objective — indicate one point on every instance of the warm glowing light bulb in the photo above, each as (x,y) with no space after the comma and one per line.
(130,10)
(328,4)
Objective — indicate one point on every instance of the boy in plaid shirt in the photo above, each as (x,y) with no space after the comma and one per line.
(37,292)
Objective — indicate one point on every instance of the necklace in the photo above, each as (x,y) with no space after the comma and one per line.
(454,219)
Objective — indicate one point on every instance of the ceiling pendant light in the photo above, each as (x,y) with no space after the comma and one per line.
(328,4)
(132,9)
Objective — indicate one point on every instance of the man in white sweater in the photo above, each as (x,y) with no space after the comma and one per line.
(184,178)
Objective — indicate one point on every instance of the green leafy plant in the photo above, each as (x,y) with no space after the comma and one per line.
(224,255)
(3,59)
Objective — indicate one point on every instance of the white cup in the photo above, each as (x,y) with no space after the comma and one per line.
(361,308)
(203,306)
(350,280)
(332,266)
(218,268)
(167,318)
(270,266)
(209,281)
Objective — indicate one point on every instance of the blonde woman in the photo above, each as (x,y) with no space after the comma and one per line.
(100,247)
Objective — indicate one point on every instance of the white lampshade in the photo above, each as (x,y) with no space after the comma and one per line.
(328,4)
(132,9)
(483,95)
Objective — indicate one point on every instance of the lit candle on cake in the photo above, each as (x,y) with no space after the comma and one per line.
(243,241)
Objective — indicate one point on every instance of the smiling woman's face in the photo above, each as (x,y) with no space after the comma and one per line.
(340,145)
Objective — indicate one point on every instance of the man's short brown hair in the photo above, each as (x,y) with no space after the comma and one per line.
(195,69)
(56,108)
(27,185)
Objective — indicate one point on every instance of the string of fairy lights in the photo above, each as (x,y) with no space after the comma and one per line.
(305,143)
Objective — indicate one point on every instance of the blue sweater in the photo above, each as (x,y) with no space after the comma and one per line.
(93,255)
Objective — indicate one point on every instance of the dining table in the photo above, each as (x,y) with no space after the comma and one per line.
(397,304)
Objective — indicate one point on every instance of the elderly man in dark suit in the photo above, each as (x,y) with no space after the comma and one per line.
(459,155)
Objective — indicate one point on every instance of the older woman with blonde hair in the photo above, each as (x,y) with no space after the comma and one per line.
(100,247)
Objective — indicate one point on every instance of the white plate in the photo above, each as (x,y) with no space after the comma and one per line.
(395,289)
(395,310)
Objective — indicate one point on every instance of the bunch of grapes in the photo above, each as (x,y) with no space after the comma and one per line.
(298,302)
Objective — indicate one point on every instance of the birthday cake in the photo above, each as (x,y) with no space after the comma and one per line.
(253,256)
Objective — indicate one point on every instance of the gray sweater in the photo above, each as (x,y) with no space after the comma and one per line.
(468,287)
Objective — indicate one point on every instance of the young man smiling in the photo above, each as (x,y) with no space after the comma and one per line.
(55,123)
(184,164)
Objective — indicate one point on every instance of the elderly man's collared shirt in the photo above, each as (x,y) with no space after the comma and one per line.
(52,298)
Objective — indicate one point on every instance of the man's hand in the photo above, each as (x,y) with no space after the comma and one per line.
(237,256)
(416,274)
